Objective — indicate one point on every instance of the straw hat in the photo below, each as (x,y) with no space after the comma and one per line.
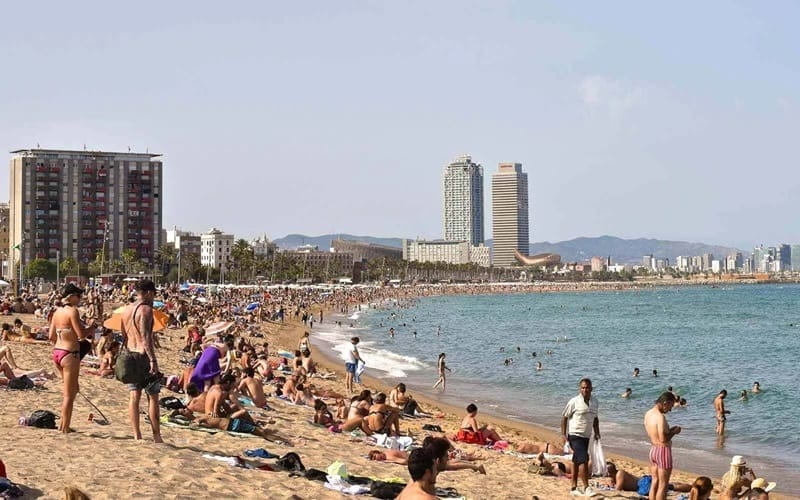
(738,460)
(762,483)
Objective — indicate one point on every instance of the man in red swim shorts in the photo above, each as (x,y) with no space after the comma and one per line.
(660,434)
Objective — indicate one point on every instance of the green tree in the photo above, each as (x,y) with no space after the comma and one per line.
(40,268)
(128,258)
(241,259)
(70,267)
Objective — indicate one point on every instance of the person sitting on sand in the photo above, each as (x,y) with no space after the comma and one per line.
(470,423)
(109,360)
(308,363)
(252,388)
(359,405)
(218,403)
(7,356)
(197,401)
(302,395)
(382,417)
(622,480)
(701,489)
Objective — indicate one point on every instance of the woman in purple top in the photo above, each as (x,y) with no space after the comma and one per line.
(207,371)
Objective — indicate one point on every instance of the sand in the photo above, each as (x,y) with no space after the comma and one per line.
(105,462)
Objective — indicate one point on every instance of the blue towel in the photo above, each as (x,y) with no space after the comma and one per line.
(260,453)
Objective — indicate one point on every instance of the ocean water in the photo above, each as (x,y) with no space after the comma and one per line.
(700,339)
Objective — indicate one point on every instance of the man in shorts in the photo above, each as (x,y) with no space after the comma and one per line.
(579,419)
(137,333)
(352,362)
(660,434)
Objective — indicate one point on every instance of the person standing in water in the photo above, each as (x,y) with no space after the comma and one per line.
(442,366)
(722,413)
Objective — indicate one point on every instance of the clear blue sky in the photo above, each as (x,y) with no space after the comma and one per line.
(676,120)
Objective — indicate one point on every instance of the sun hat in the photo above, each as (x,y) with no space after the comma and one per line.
(762,483)
(738,460)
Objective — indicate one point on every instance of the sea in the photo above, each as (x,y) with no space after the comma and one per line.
(700,339)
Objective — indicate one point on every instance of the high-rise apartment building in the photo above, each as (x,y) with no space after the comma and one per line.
(83,203)
(463,201)
(510,229)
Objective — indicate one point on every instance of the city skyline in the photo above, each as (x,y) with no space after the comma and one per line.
(628,129)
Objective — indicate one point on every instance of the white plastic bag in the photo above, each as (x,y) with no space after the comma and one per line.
(598,458)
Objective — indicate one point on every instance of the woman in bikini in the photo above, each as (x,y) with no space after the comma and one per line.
(442,369)
(66,331)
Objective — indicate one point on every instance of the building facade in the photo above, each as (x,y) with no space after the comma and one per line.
(449,252)
(366,251)
(215,249)
(463,201)
(4,241)
(510,225)
(262,247)
(82,204)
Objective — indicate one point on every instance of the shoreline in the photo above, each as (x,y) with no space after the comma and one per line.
(512,430)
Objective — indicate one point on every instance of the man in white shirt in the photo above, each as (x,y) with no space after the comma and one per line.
(577,423)
(351,362)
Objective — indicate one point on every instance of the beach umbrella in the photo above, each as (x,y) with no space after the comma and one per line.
(115,321)
(184,288)
(253,306)
(218,327)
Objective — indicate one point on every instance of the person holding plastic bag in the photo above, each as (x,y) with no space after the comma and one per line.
(660,434)
(597,458)
(579,420)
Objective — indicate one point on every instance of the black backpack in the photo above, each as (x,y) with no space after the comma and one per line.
(171,403)
(380,489)
(42,419)
(21,383)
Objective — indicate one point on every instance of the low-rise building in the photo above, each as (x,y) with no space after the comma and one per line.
(450,252)
(216,247)
(362,251)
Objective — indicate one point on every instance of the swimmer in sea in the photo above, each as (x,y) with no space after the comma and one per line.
(391,332)
(533,354)
(627,393)
(655,373)
(539,366)
(743,396)
(635,372)
(756,388)
(415,335)
(518,349)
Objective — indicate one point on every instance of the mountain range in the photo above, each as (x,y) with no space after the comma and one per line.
(581,249)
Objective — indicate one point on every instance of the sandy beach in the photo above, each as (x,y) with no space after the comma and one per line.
(105,462)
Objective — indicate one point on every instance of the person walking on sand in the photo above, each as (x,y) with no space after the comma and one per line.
(660,434)
(442,367)
(137,335)
(579,419)
(353,357)
(719,408)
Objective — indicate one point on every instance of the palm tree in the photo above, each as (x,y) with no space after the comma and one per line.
(165,256)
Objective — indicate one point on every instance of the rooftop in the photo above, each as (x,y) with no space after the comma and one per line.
(38,151)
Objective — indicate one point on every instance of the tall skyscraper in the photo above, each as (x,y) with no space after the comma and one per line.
(463,201)
(510,230)
(83,203)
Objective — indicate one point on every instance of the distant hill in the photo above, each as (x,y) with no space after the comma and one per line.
(324,241)
(626,251)
(576,250)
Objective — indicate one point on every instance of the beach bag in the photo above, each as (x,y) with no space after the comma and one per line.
(598,459)
(316,475)
(21,383)
(171,403)
(410,408)
(644,485)
(42,419)
(132,367)
(471,437)
(382,489)
(290,462)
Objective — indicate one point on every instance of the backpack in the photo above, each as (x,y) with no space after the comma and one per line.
(290,462)
(42,419)
(171,403)
(21,383)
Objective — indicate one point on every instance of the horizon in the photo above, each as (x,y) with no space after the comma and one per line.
(283,119)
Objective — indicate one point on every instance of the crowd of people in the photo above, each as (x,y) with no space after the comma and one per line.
(230,374)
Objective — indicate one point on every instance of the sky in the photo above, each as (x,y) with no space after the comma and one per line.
(673,121)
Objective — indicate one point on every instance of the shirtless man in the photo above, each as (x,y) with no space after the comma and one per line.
(218,403)
(137,334)
(719,408)
(421,466)
(660,434)
(252,388)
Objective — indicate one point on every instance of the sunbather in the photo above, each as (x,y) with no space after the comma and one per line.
(239,425)
(470,423)
(382,417)
(252,388)
(401,458)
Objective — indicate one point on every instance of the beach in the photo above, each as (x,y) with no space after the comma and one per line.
(105,462)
